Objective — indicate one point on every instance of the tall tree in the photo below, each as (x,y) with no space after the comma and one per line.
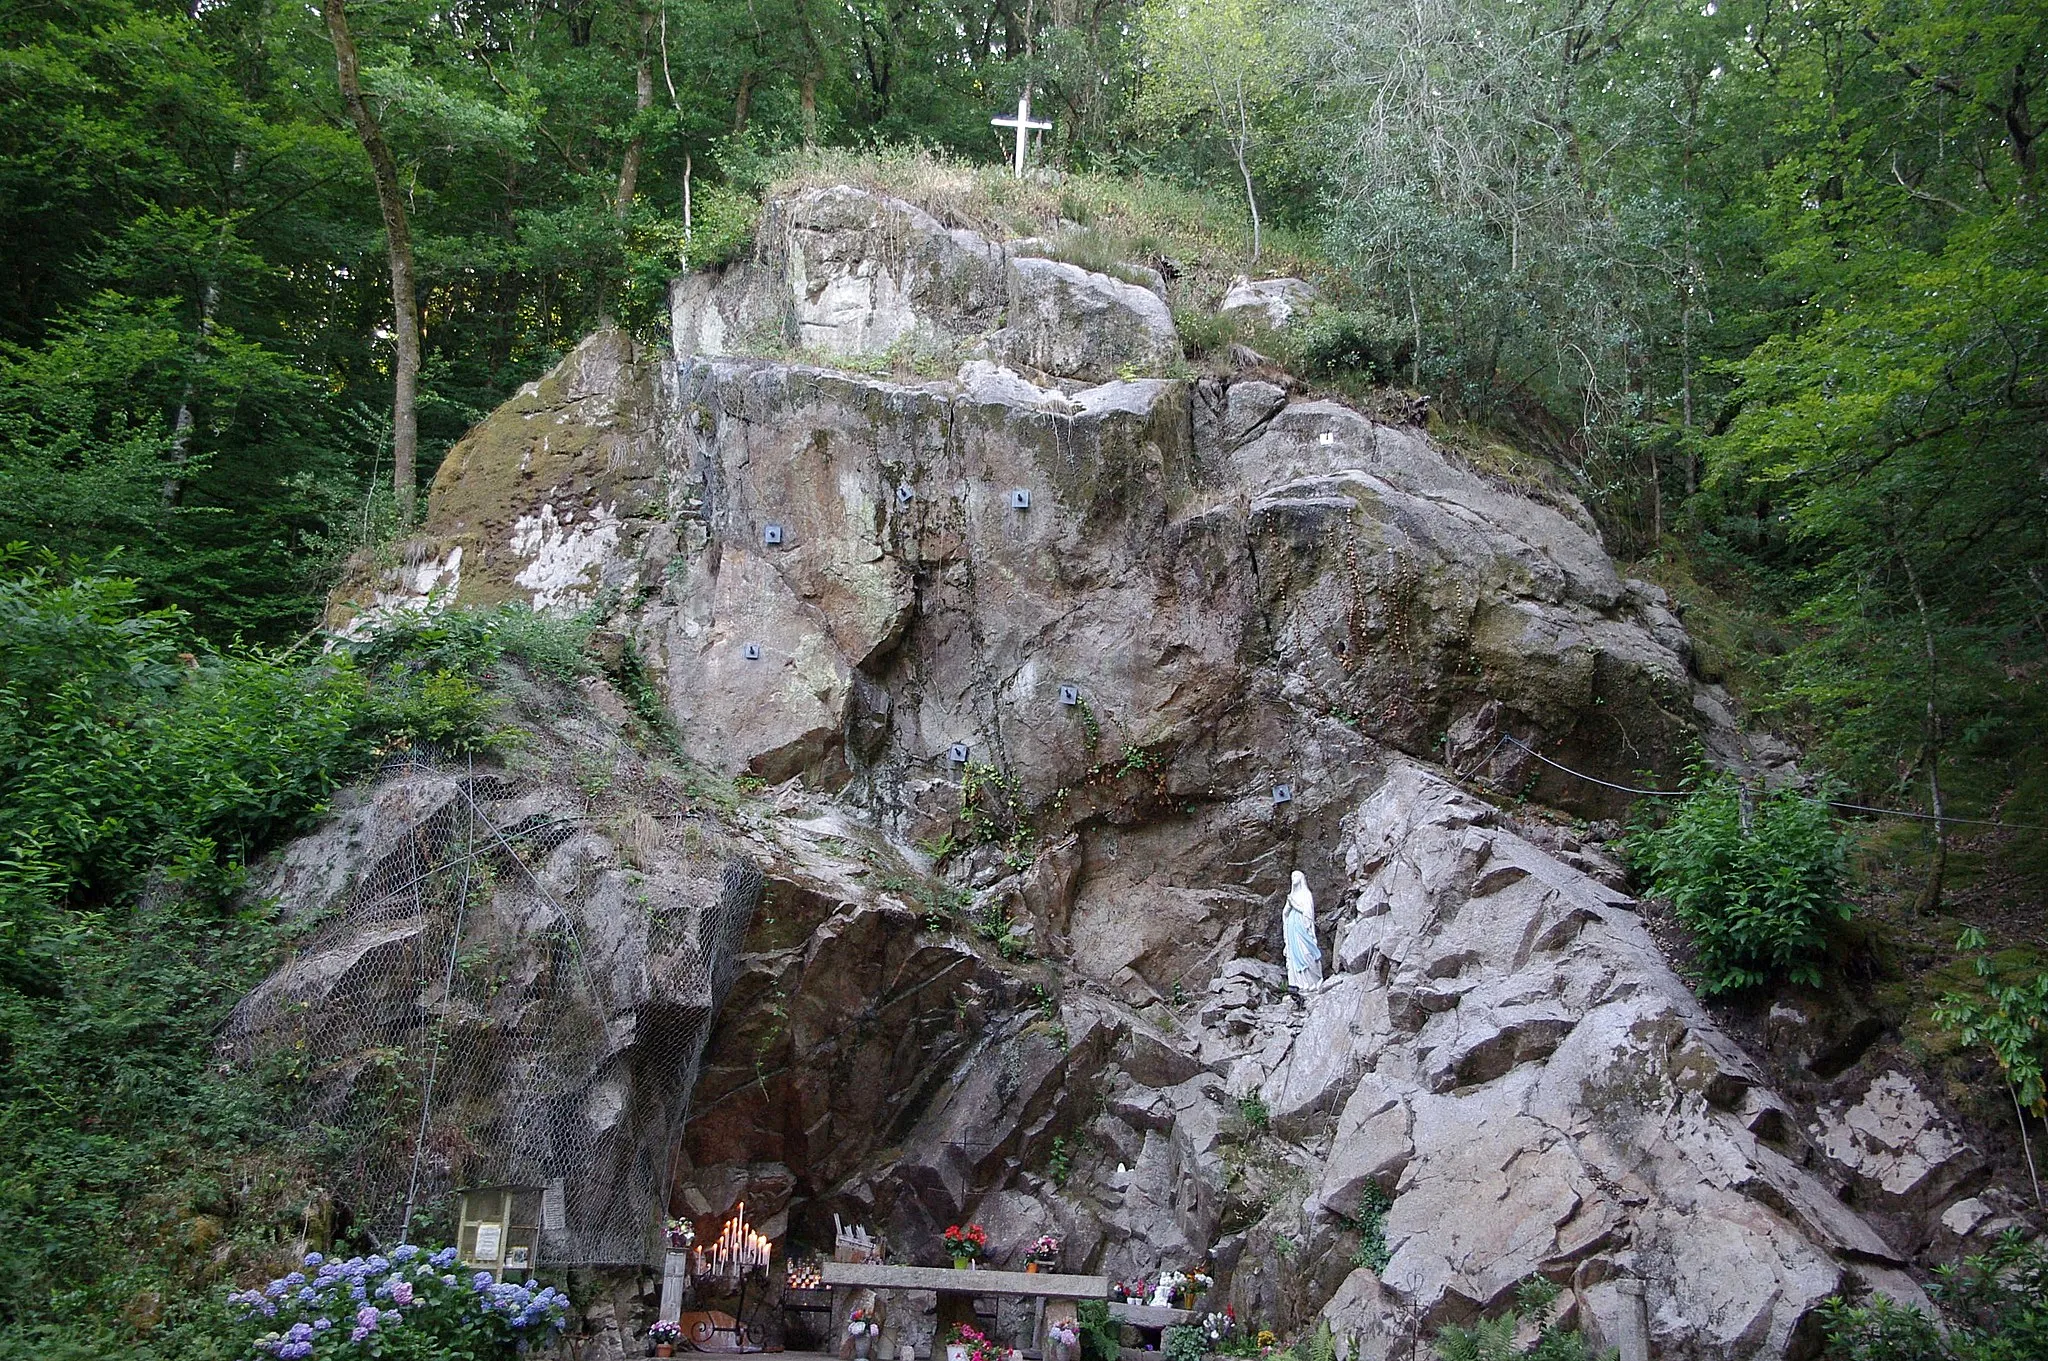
(1215,59)
(405,325)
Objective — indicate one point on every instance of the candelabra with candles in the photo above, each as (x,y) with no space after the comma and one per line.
(726,1262)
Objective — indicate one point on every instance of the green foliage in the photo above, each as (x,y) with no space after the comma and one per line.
(992,807)
(1183,1342)
(1994,1307)
(1252,1110)
(1370,1224)
(472,641)
(1206,333)
(722,220)
(1494,1339)
(1756,902)
(1059,1162)
(1332,341)
(139,770)
(2008,1016)
(1101,1336)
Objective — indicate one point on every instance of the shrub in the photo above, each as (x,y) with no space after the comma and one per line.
(722,224)
(1183,1342)
(472,641)
(1494,1339)
(1994,1308)
(133,758)
(1205,333)
(411,1306)
(1370,1223)
(1756,903)
(1101,1336)
(1333,341)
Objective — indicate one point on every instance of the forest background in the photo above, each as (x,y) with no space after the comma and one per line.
(1763,283)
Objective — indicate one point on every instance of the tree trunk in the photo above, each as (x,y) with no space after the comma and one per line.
(181,425)
(743,101)
(1415,320)
(643,100)
(405,329)
(1930,896)
(1243,145)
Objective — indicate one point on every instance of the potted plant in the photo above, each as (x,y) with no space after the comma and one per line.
(664,1333)
(1044,1253)
(863,1328)
(967,1245)
(680,1233)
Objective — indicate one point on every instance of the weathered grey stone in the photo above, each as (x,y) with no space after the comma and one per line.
(1899,1150)
(1068,321)
(1243,590)
(1276,302)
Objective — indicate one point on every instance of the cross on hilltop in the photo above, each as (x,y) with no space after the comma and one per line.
(1025,125)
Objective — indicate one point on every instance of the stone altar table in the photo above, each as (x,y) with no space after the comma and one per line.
(957,1290)
(1150,1322)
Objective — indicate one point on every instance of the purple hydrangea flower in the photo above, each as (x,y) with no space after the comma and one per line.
(401,1292)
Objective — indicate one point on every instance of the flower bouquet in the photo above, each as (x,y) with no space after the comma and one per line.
(863,1327)
(969,1343)
(967,1244)
(681,1233)
(1044,1253)
(664,1333)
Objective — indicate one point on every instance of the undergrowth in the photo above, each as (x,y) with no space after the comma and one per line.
(140,773)
(1757,889)
(1994,1307)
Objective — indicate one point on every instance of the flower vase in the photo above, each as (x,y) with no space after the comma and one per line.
(956,1351)
(1031,1268)
(664,1349)
(959,1264)
(861,1343)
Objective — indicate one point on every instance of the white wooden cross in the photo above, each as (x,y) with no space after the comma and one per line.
(1025,126)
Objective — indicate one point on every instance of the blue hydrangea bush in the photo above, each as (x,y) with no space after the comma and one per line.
(410,1306)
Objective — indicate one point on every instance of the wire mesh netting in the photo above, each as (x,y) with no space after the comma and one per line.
(481,1006)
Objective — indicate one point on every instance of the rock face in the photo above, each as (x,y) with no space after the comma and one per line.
(476,946)
(1116,655)
(1276,302)
(1507,1057)
(1199,561)
(844,272)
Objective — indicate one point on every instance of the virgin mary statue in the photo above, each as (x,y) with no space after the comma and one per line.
(1304,956)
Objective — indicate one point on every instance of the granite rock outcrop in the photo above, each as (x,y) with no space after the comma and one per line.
(1040,677)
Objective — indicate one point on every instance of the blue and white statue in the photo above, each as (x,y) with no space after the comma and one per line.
(1298,920)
